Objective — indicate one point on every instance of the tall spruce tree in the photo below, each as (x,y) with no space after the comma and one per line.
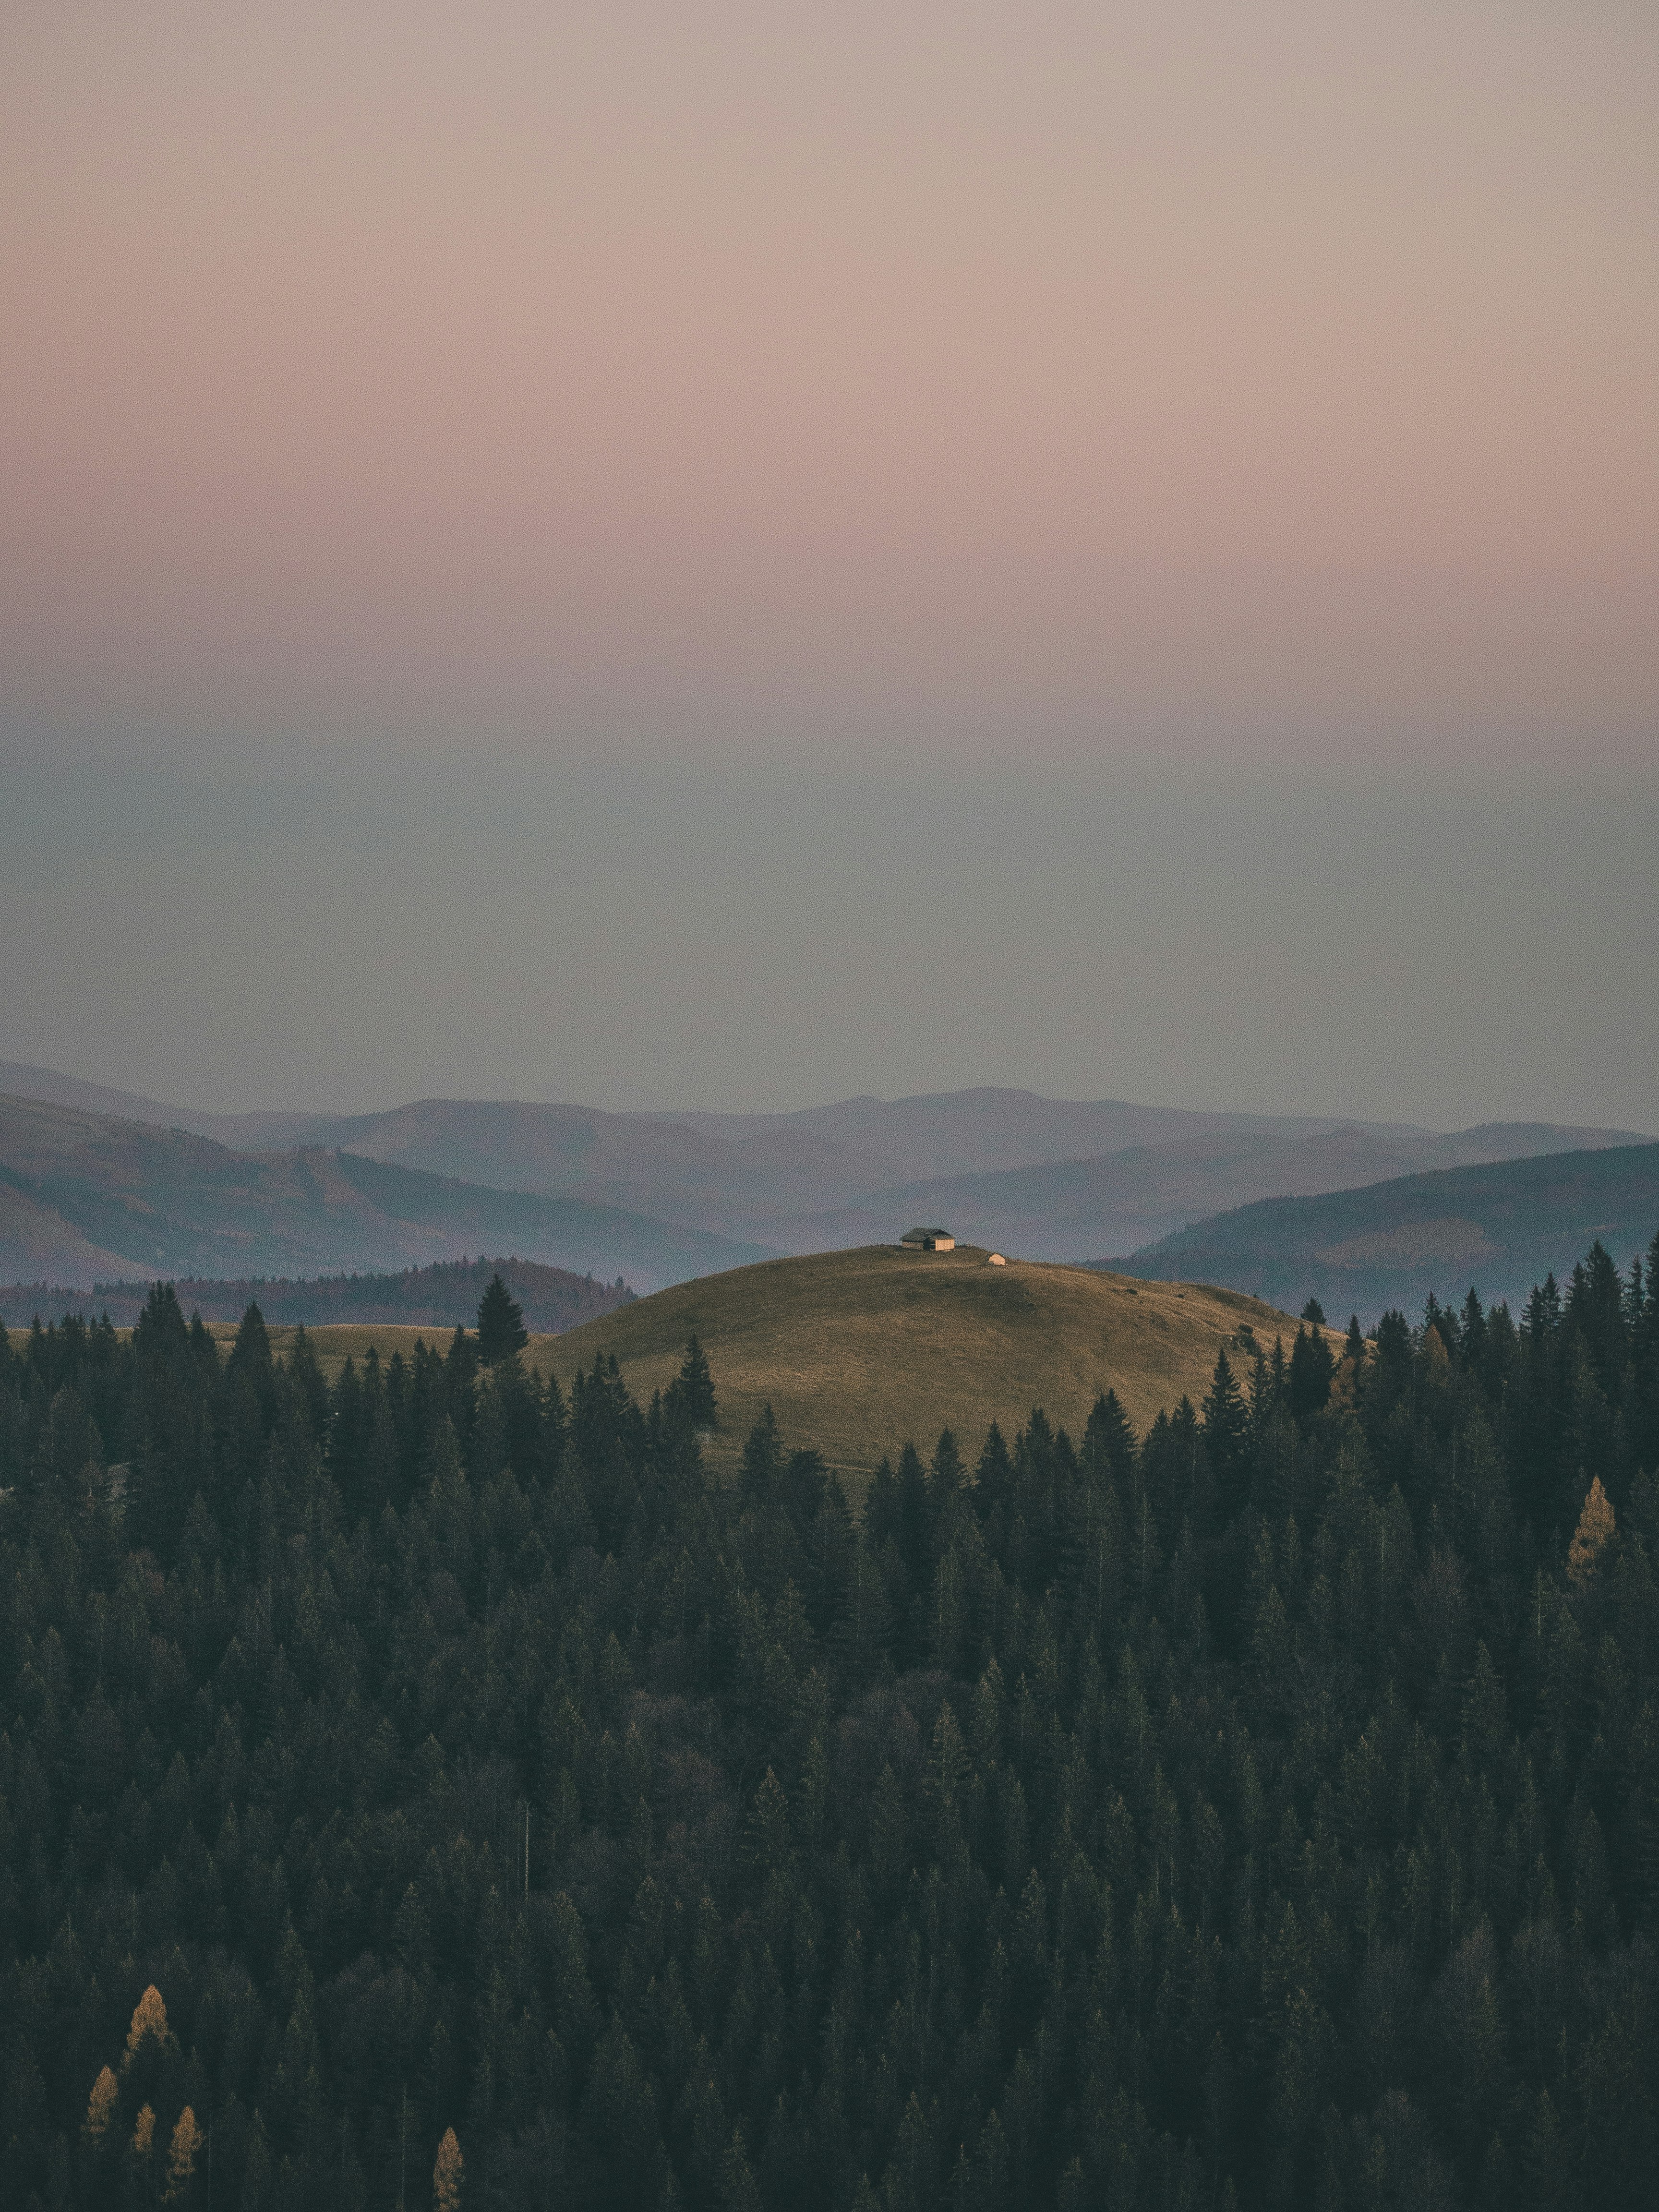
(691,1395)
(1227,1434)
(501,1331)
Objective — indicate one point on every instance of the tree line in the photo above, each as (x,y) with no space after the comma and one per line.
(432,1788)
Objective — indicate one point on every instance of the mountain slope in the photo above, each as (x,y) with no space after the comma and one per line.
(982,1131)
(1132,1197)
(827,1178)
(91,1198)
(649,1164)
(1051,1178)
(857,1351)
(1500,1227)
(242,1131)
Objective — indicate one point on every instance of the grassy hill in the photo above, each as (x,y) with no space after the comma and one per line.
(857,1351)
(1499,1228)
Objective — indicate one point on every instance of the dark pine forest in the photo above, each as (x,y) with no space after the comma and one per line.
(426,1787)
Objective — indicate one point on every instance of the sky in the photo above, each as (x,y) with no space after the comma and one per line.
(732,556)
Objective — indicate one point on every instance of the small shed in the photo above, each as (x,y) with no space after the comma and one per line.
(928,1240)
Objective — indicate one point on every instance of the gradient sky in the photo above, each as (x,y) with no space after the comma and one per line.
(1185,480)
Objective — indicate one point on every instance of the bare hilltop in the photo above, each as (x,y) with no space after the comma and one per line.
(857,1352)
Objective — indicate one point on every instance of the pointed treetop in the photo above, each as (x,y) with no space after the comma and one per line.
(448,2172)
(501,1324)
(250,1353)
(187,2141)
(691,1393)
(762,1457)
(149,2021)
(1108,1439)
(1591,1537)
(100,2105)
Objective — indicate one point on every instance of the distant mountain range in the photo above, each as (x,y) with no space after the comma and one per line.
(1499,1229)
(1048,1178)
(440,1297)
(85,1198)
(655,1197)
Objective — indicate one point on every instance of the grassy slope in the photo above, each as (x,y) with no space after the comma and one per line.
(857,1351)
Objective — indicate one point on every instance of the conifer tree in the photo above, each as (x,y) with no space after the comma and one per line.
(763,1459)
(1108,1440)
(150,2025)
(100,2105)
(250,1355)
(448,2172)
(1311,1369)
(501,1331)
(1591,1537)
(1227,1433)
(946,1471)
(915,1519)
(187,2141)
(691,1393)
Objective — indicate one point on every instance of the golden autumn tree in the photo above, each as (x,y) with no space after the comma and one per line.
(144,2135)
(149,2021)
(100,2105)
(187,2141)
(446,2175)
(1591,1537)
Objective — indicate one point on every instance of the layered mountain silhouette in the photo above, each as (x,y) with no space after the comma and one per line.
(1499,1229)
(86,1198)
(657,1197)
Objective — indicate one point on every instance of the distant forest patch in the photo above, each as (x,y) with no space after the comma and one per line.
(443,1296)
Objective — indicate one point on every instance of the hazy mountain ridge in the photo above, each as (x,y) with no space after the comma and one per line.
(252,1132)
(1499,1227)
(1045,1178)
(1134,1197)
(90,1197)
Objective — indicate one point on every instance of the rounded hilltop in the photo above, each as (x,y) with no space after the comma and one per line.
(857,1351)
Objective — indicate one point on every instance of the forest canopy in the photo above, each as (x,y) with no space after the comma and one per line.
(431,1789)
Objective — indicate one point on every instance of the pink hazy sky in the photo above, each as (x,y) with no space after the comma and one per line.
(1261,377)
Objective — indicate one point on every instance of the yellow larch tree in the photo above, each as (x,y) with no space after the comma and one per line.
(144,2135)
(187,2140)
(149,2019)
(1591,1537)
(100,2105)
(446,2175)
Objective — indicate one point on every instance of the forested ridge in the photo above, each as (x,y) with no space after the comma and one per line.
(430,1789)
(551,1299)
